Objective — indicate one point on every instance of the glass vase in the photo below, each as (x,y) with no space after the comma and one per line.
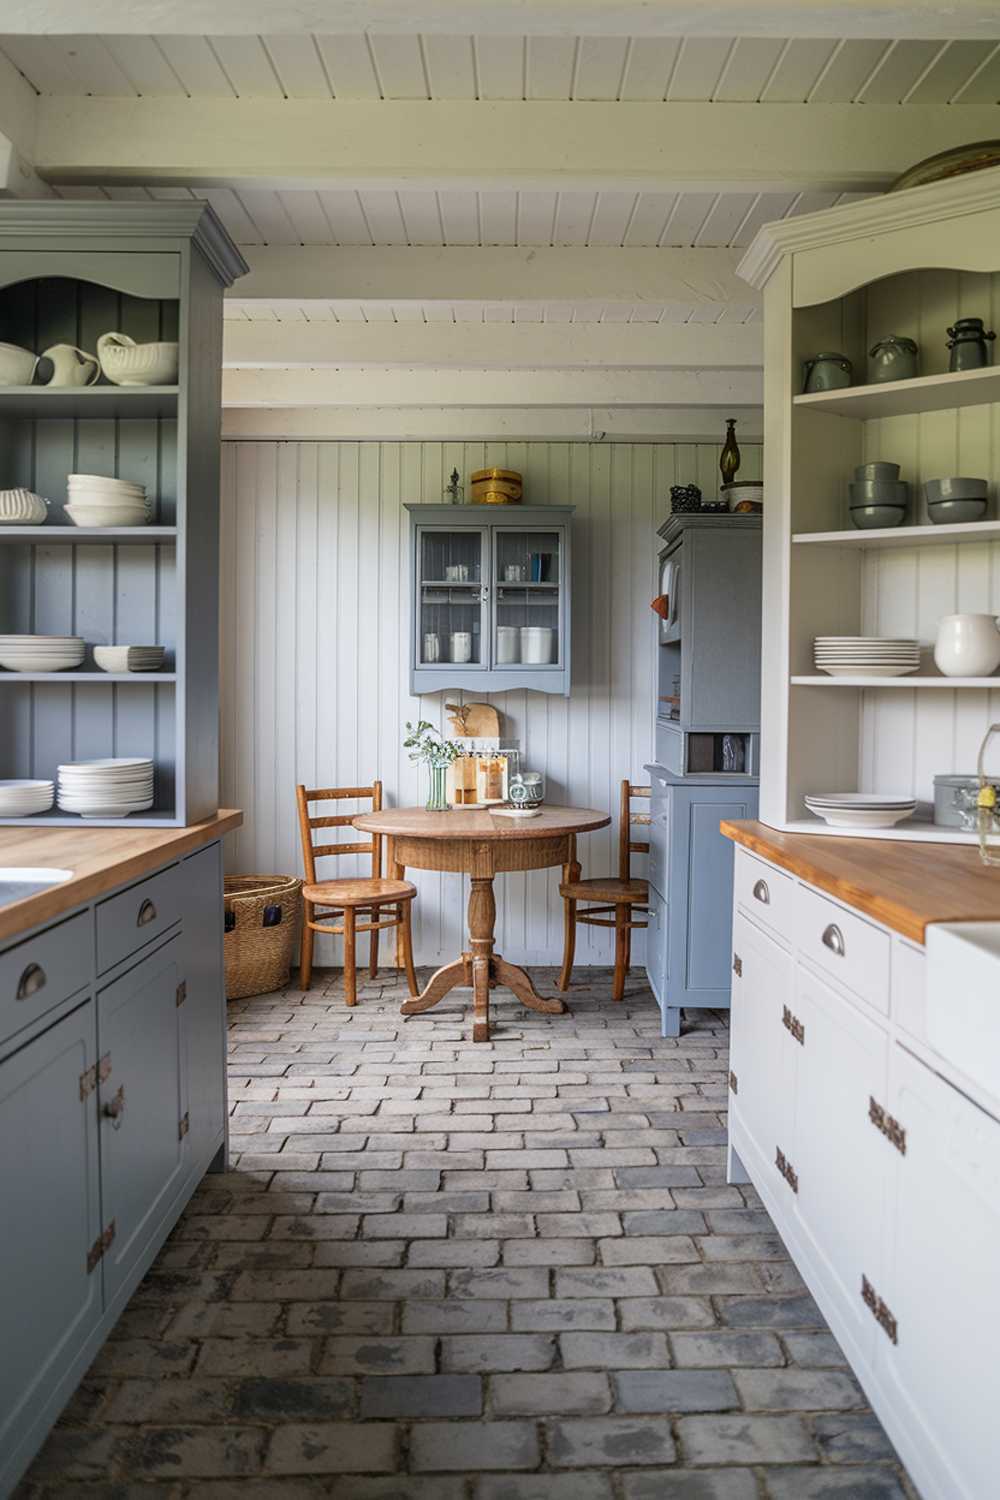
(437,800)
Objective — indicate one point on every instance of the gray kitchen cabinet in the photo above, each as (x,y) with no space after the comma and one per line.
(491,598)
(141,1099)
(203,1019)
(50,1282)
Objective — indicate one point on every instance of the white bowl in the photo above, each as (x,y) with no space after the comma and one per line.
(22,508)
(105,482)
(129,658)
(100,516)
(125,362)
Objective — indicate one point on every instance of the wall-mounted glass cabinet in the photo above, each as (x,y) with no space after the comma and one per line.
(491,598)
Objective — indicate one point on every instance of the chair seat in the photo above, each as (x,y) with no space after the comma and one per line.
(614,892)
(364,891)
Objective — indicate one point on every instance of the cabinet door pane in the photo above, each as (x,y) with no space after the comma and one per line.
(528,591)
(50,1213)
(760,1050)
(450,607)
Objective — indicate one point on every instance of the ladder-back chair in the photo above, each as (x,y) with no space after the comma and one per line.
(619,899)
(334,906)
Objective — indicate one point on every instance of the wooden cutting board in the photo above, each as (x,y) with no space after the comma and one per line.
(477,721)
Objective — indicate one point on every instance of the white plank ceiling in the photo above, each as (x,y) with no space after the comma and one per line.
(344,311)
(396,66)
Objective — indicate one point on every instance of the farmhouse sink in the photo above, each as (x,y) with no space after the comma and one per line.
(18,882)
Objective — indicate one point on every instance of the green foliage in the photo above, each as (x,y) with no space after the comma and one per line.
(424,743)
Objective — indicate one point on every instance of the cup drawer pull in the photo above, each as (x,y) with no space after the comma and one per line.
(762,893)
(31,981)
(147,914)
(833,939)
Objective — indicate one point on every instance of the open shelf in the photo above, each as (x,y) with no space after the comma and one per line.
(56,818)
(903,536)
(912,681)
(89,401)
(912,829)
(140,677)
(77,536)
(900,398)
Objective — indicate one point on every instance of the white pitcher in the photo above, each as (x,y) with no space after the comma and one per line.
(72,366)
(967,646)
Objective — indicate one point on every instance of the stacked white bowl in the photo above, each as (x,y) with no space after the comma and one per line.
(20,799)
(95,500)
(129,658)
(40,653)
(110,788)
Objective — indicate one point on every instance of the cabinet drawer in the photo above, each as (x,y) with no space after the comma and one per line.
(127,922)
(765,892)
(39,974)
(843,945)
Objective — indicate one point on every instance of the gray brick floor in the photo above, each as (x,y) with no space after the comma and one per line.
(440,1271)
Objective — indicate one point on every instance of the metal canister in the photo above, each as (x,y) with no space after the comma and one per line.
(827,372)
(969,343)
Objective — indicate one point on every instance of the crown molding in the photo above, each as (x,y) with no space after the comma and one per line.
(974,192)
(28,219)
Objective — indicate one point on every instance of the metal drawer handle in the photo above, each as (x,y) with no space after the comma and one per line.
(147,914)
(115,1108)
(833,939)
(31,981)
(762,893)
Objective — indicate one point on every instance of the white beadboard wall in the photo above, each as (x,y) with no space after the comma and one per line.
(315,589)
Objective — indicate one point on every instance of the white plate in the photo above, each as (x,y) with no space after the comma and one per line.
(110,763)
(885,818)
(869,671)
(861,799)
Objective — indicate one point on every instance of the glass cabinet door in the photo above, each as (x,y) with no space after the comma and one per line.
(527,590)
(450,597)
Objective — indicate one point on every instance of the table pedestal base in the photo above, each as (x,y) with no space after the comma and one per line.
(482,969)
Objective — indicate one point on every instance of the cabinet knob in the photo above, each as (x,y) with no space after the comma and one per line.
(115,1108)
(762,893)
(833,939)
(31,981)
(147,914)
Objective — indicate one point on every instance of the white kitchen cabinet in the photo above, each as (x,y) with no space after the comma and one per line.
(760,1053)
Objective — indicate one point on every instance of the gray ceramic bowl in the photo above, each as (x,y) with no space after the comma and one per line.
(943,512)
(879,492)
(879,470)
(867,517)
(955,488)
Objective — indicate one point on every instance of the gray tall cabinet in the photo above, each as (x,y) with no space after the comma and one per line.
(707,737)
(68,273)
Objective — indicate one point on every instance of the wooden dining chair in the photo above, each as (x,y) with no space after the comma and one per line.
(334,906)
(618,900)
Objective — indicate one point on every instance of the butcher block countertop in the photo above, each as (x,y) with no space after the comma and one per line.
(904,885)
(100,858)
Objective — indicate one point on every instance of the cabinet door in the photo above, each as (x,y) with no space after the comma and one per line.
(940,1283)
(761,1055)
(51,1213)
(142,1107)
(656,946)
(528,585)
(841,1159)
(450,598)
(203,1014)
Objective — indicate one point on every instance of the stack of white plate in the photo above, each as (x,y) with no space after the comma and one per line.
(40,653)
(866,655)
(19,799)
(106,788)
(97,501)
(860,809)
(129,658)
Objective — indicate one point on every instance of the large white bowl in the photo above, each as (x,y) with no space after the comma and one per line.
(125,362)
(100,516)
(104,482)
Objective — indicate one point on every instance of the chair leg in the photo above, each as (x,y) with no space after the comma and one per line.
(373,946)
(628,941)
(350,972)
(306,948)
(621,937)
(569,942)
(405,935)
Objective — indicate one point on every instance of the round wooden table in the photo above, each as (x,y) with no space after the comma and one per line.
(481,844)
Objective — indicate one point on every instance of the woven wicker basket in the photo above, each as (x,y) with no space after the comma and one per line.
(261,922)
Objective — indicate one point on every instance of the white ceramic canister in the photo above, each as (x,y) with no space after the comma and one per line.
(508,645)
(967,646)
(432,647)
(536,644)
(461,645)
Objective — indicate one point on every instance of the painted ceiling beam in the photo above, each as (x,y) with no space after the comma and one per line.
(624,424)
(350,386)
(494,346)
(460,273)
(317,143)
(824,18)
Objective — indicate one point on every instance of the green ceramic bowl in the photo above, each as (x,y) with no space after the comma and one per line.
(868,517)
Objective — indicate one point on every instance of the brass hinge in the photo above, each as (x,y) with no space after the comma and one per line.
(794,1025)
(88,1081)
(184,1125)
(786,1169)
(737,966)
(879,1311)
(182,992)
(104,1068)
(890,1128)
(100,1247)
(733,1082)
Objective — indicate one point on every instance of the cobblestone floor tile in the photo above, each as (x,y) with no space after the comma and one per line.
(609,1442)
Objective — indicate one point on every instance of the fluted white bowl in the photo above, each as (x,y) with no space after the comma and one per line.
(22,508)
(138,364)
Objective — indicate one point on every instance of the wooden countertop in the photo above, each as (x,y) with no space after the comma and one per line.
(905,885)
(100,858)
